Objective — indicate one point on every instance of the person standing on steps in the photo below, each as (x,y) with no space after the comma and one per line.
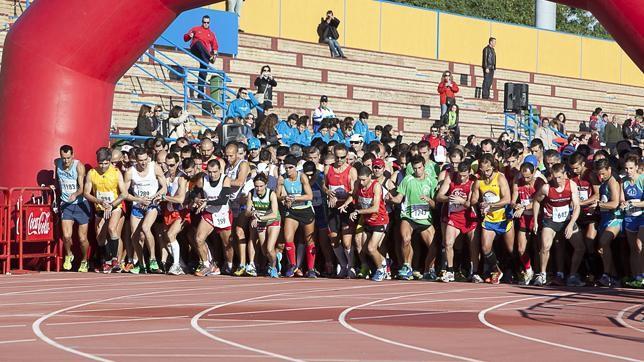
(203,45)
(235,6)
(489,66)
(328,33)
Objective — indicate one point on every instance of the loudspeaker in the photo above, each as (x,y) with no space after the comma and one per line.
(229,132)
(516,97)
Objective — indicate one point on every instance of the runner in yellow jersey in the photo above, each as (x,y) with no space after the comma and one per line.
(104,188)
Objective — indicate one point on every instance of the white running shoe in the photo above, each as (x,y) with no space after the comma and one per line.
(447,277)
(176,270)
(475,278)
(540,280)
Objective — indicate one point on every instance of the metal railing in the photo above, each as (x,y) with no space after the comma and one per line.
(524,126)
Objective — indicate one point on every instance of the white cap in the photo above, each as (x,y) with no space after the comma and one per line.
(356,137)
(126,148)
(440,154)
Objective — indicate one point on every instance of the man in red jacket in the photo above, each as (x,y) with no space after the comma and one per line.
(447,90)
(203,45)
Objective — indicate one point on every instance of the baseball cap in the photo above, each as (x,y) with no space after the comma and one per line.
(378,162)
(126,148)
(440,154)
(531,159)
(324,99)
(254,144)
(356,137)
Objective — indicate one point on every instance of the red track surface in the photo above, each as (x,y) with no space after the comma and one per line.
(73,316)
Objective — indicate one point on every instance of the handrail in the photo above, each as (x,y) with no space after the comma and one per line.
(123,137)
(182,49)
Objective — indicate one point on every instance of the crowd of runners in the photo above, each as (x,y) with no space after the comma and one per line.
(376,210)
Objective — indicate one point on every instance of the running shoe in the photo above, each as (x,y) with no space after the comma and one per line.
(290,271)
(154,267)
(460,277)
(558,280)
(540,280)
(605,280)
(388,270)
(136,269)
(83,267)
(298,273)
(431,276)
(116,267)
(250,270)
(379,275)
(447,277)
(272,272)
(405,273)
(225,270)
(107,268)
(203,272)
(475,278)
(591,280)
(214,270)
(128,267)
(67,265)
(495,277)
(417,275)
(340,272)
(311,274)
(364,272)
(175,269)
(526,277)
(328,270)
(615,282)
(574,281)
(241,270)
(351,273)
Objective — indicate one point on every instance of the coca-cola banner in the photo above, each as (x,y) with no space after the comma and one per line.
(39,223)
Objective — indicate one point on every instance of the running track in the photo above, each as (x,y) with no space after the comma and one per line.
(71,316)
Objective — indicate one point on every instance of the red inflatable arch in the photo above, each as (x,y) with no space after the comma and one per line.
(60,64)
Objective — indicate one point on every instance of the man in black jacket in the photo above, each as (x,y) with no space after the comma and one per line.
(489,65)
(328,33)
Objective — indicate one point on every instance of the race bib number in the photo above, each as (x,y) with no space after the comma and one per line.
(69,185)
(317,198)
(420,212)
(221,219)
(143,193)
(365,202)
(526,203)
(105,196)
(560,214)
(633,211)
(452,208)
(491,198)
(583,195)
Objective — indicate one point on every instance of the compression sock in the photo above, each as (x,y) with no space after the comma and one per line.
(113,245)
(490,261)
(310,256)
(348,253)
(176,252)
(289,248)
(104,253)
(443,258)
(339,255)
(299,252)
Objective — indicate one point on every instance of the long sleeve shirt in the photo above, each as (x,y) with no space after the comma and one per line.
(205,36)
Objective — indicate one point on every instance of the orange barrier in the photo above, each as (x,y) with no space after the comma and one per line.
(32,217)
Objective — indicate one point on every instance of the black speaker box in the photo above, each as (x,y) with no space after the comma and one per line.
(229,132)
(516,97)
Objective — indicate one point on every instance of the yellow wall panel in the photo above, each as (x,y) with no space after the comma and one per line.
(219,6)
(631,74)
(261,17)
(462,39)
(407,30)
(559,54)
(300,18)
(600,60)
(363,24)
(516,47)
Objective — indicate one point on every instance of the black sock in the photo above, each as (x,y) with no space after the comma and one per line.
(114,247)
(450,269)
(490,261)
(443,258)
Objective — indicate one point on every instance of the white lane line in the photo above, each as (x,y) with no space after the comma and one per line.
(620,318)
(195,321)
(266,324)
(343,321)
(274,310)
(18,341)
(13,326)
(483,320)
(179,355)
(149,331)
(115,320)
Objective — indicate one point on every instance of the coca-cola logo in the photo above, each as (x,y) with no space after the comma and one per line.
(38,223)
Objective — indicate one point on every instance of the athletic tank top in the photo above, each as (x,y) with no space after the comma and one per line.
(526,194)
(491,193)
(212,193)
(294,188)
(339,182)
(68,181)
(585,191)
(557,204)
(144,186)
(173,187)
(463,190)
(105,186)
(263,205)
(605,196)
(235,191)
(365,201)
(633,191)
(386,192)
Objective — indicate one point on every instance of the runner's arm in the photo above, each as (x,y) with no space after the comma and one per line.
(242,175)
(575,203)
(306,189)
(122,191)
(87,192)
(441,195)
(474,197)
(80,168)
(162,182)
(180,196)
(538,198)
(505,194)
(377,199)
(613,203)
(274,209)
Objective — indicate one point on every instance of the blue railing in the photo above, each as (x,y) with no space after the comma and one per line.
(127,138)
(525,126)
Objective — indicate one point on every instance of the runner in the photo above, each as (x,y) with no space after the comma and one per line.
(416,194)
(491,194)
(104,187)
(213,190)
(339,181)
(458,218)
(374,219)
(560,199)
(70,174)
(632,204)
(147,184)
(262,209)
(294,191)
(610,224)
(316,180)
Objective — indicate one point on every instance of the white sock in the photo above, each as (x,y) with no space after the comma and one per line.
(230,266)
(209,253)
(206,263)
(348,253)
(175,251)
(299,254)
(339,254)
(252,264)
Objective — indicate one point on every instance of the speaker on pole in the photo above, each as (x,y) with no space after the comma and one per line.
(516,97)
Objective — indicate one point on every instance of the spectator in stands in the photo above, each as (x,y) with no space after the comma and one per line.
(434,138)
(630,130)
(156,119)
(489,66)
(248,125)
(288,129)
(447,90)
(243,105)
(235,6)
(264,84)
(450,119)
(361,127)
(144,122)
(559,123)
(473,145)
(503,142)
(178,122)
(203,45)
(328,33)
(546,134)
(322,112)
(612,134)
(583,127)
(268,130)
(594,142)
(601,125)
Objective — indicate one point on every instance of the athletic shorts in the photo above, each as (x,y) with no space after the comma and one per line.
(499,228)
(303,216)
(416,226)
(321,221)
(169,217)
(557,227)
(464,225)
(610,221)
(374,228)
(140,213)
(633,223)
(526,223)
(585,219)
(262,226)
(337,219)
(80,212)
(99,214)
(207,217)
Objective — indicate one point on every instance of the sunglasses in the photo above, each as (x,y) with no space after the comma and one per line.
(170,164)
(309,174)
(355,142)
(206,22)
(341,158)
(378,167)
